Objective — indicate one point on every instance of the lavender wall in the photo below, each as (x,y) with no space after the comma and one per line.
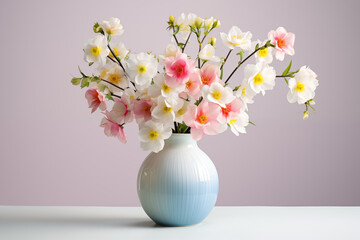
(52,151)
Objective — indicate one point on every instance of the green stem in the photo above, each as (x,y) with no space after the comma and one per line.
(241,64)
(112,84)
(117,59)
(222,65)
(187,40)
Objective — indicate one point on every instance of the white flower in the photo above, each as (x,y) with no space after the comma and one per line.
(238,123)
(171,94)
(184,22)
(96,50)
(113,27)
(237,38)
(208,23)
(265,55)
(114,74)
(246,94)
(164,112)
(171,51)
(208,54)
(302,86)
(119,50)
(152,135)
(216,93)
(142,68)
(117,76)
(179,114)
(260,77)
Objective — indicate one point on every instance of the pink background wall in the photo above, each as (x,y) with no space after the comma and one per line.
(52,151)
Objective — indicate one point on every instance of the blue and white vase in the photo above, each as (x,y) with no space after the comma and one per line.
(179,185)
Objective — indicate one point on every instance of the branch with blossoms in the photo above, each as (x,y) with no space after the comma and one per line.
(189,95)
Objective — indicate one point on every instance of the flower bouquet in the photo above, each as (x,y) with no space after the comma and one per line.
(174,93)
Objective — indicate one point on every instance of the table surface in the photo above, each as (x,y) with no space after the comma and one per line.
(226,223)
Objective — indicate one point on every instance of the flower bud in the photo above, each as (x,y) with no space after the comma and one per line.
(208,23)
(171,19)
(97,28)
(198,22)
(306,115)
(216,23)
(212,41)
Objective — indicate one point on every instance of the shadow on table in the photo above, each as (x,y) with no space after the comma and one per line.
(89,221)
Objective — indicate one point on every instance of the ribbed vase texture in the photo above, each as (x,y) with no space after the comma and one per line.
(179,185)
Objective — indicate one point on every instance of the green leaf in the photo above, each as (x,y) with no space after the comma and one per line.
(176,29)
(268,43)
(257,47)
(84,82)
(102,87)
(237,88)
(287,81)
(75,81)
(241,54)
(252,123)
(91,64)
(198,101)
(287,69)
(108,96)
(82,72)
(181,45)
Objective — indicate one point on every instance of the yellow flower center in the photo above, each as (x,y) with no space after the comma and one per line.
(114,78)
(300,87)
(234,44)
(166,88)
(142,69)
(103,73)
(203,119)
(167,109)
(258,79)
(236,36)
(189,84)
(263,52)
(232,121)
(153,134)
(208,53)
(95,50)
(216,95)
(116,52)
(181,111)
(243,92)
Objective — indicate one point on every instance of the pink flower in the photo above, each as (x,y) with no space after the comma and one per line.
(283,41)
(142,109)
(232,108)
(178,69)
(203,119)
(120,112)
(209,73)
(193,85)
(112,128)
(95,99)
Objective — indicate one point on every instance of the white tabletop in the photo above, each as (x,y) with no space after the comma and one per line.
(225,223)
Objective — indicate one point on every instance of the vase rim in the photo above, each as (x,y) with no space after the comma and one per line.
(181,134)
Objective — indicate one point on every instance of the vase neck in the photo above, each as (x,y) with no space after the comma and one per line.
(177,139)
